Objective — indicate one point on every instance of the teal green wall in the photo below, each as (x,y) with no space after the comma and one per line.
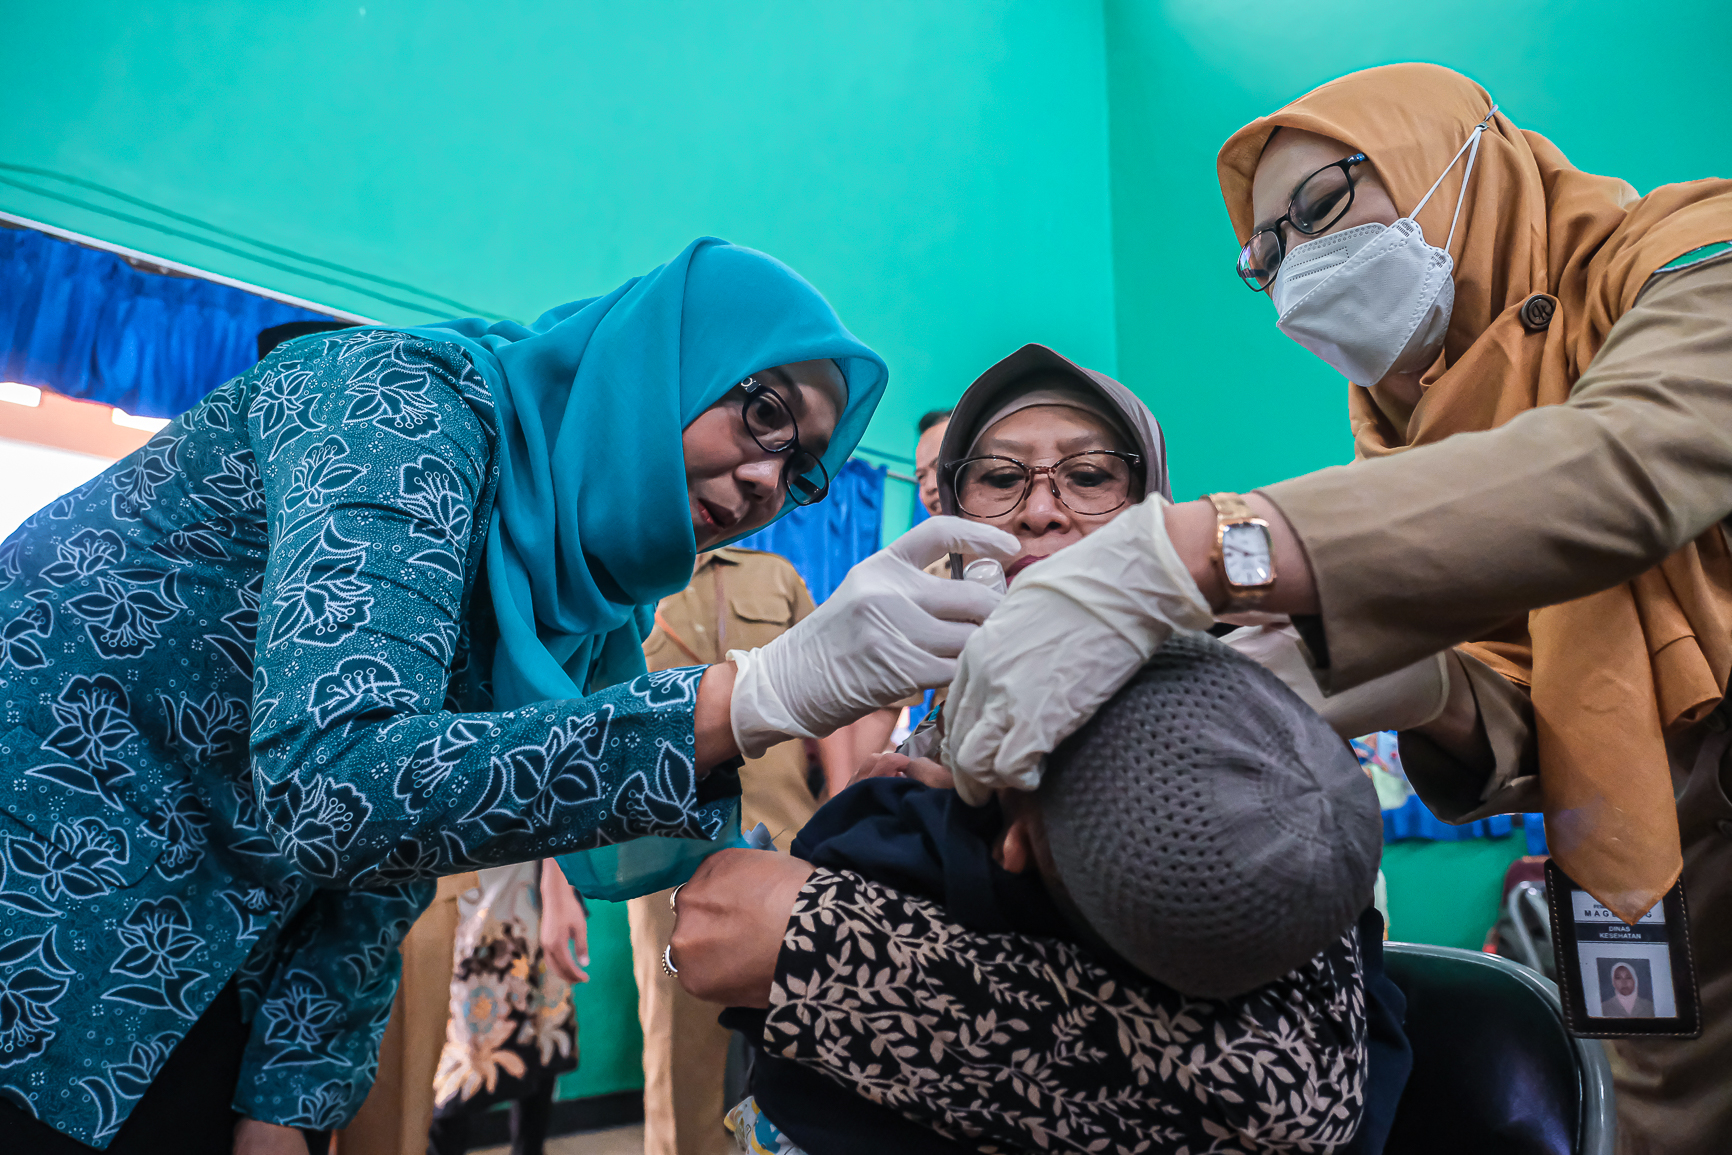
(1447,893)
(937,167)
(1638,90)
(609,1038)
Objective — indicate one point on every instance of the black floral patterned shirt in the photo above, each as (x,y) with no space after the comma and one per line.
(1010,1042)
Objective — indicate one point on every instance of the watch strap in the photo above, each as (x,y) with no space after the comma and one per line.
(1232,509)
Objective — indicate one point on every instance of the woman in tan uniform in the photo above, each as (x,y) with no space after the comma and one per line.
(1543,419)
(737,598)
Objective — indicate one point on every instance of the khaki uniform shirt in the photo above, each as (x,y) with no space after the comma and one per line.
(740,599)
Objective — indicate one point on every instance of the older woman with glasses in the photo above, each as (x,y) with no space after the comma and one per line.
(371,614)
(1047,451)
(955,1029)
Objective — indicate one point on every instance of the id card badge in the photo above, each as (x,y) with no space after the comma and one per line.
(1619,981)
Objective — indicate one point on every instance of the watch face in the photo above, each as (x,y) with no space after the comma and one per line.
(1245,555)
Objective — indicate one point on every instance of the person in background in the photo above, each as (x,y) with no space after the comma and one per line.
(931,436)
(882,730)
(936,453)
(522,942)
(738,599)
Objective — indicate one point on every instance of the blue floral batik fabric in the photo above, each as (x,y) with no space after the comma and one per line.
(244,729)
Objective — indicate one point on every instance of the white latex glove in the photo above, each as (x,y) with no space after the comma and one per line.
(1408,697)
(888,631)
(1072,630)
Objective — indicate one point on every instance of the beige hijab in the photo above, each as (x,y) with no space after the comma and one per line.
(1614,673)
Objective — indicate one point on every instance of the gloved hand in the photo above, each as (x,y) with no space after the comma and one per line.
(1072,630)
(888,631)
(1408,697)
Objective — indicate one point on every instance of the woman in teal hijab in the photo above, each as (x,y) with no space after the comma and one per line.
(596,515)
(369,614)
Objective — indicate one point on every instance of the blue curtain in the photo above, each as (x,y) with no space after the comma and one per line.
(84,323)
(825,540)
(1408,818)
(1412,820)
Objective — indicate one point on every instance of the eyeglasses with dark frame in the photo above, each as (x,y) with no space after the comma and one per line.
(771,424)
(1317,203)
(1097,481)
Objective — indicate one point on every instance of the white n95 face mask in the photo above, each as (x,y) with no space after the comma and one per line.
(1374,299)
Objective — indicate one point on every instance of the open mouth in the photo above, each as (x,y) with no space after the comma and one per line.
(1020,564)
(716,516)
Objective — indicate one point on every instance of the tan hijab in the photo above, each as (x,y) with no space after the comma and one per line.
(1614,673)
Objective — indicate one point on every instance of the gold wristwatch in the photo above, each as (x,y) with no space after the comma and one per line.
(1243,552)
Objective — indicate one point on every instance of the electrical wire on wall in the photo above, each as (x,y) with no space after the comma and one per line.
(249,248)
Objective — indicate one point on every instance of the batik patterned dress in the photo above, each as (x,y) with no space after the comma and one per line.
(511,1024)
(227,746)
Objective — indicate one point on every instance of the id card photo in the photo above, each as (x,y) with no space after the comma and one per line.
(1628,968)
(1618,979)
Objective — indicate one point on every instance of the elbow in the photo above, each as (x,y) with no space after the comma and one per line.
(314,820)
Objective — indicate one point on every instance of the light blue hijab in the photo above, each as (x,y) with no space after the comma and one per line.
(592,526)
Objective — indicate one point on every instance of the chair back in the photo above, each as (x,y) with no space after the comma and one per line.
(1494,1071)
